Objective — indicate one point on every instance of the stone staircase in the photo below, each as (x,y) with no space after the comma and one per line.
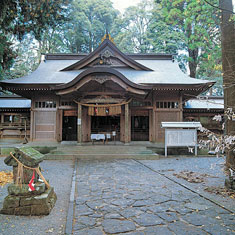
(66,152)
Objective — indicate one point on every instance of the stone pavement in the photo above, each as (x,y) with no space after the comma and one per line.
(131,197)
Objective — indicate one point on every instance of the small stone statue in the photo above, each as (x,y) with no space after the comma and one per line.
(30,193)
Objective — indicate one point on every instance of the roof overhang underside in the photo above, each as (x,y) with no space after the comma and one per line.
(188,91)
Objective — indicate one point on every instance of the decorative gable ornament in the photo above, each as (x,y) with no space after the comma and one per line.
(101,78)
(105,58)
(107,36)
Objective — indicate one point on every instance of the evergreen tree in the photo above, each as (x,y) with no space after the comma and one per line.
(20,17)
(198,24)
(90,20)
(131,29)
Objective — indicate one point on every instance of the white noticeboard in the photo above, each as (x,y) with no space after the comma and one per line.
(180,137)
(179,134)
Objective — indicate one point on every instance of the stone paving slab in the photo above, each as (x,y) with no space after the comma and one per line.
(59,174)
(212,166)
(127,197)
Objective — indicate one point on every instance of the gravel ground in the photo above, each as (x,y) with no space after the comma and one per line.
(59,174)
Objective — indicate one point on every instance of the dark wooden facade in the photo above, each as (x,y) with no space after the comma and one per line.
(66,87)
(14,117)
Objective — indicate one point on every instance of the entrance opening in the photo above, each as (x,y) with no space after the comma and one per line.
(69,132)
(140,128)
(106,125)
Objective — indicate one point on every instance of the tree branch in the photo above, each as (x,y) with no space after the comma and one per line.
(222,9)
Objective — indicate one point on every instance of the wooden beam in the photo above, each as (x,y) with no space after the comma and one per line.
(126,87)
(98,100)
(105,92)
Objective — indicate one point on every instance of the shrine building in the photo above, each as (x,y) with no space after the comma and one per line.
(125,96)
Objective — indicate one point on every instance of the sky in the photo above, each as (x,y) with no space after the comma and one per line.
(122,4)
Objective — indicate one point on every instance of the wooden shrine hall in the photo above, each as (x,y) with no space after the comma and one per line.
(105,94)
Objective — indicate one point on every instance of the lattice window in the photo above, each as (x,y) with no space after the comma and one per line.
(167,105)
(137,103)
(67,103)
(45,104)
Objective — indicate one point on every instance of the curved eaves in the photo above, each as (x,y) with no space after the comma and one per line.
(102,71)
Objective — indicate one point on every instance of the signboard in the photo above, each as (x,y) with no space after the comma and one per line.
(181,134)
(79,121)
(135,112)
(70,113)
(181,137)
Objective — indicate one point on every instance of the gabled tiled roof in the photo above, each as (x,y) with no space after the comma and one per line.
(147,69)
(164,72)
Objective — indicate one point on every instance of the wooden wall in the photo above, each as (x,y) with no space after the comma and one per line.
(45,121)
(45,125)
(165,116)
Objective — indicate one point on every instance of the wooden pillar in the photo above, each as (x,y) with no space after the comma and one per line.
(86,125)
(32,125)
(127,124)
(181,108)
(122,125)
(79,124)
(2,118)
(60,125)
(32,120)
(154,126)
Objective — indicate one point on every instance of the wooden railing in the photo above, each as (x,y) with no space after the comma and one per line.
(14,130)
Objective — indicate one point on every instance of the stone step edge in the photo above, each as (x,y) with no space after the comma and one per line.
(102,154)
(73,157)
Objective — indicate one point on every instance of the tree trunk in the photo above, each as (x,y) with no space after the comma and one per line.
(228,62)
(193,54)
